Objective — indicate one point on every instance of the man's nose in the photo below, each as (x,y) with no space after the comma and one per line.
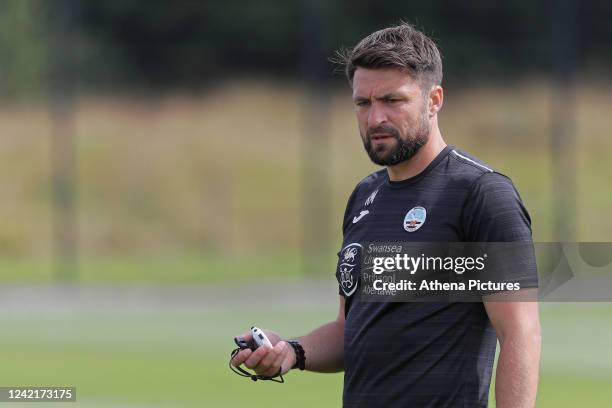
(376,115)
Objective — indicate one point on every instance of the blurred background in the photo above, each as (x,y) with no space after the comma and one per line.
(174,172)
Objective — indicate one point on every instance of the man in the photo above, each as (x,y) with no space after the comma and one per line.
(417,354)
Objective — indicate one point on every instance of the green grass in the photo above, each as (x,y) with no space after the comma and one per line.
(570,390)
(162,359)
(179,358)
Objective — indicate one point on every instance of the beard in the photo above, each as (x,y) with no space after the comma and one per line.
(404,148)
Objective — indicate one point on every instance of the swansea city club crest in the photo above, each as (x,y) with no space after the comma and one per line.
(414,219)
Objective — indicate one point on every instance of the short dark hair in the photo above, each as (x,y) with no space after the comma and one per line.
(401,46)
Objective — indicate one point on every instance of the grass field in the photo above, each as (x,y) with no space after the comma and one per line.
(170,355)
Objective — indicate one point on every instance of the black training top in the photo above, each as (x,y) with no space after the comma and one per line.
(425,354)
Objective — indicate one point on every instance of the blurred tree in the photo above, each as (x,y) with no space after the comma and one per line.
(22,48)
(157,44)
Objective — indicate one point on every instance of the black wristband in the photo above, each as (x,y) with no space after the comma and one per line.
(300,356)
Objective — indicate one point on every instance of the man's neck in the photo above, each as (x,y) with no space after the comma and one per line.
(420,160)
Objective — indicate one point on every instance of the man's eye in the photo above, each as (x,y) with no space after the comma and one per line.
(362,103)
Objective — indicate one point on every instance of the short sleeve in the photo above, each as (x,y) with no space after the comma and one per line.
(495,214)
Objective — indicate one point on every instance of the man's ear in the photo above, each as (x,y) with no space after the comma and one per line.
(436,99)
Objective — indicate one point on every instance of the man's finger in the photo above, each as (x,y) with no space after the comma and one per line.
(279,363)
(271,364)
(241,357)
(267,362)
(256,356)
(248,336)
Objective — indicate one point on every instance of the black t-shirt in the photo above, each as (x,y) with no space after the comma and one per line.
(424,354)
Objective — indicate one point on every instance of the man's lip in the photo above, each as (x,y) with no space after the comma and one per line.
(378,136)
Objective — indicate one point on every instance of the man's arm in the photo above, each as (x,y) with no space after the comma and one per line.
(517,324)
(323,347)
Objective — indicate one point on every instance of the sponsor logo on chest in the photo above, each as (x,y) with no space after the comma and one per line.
(365,212)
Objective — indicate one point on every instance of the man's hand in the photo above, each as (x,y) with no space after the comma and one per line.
(265,360)
(323,348)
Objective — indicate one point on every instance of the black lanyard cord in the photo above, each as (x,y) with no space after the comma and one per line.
(244,373)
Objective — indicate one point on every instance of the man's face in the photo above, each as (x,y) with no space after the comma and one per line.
(392,114)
